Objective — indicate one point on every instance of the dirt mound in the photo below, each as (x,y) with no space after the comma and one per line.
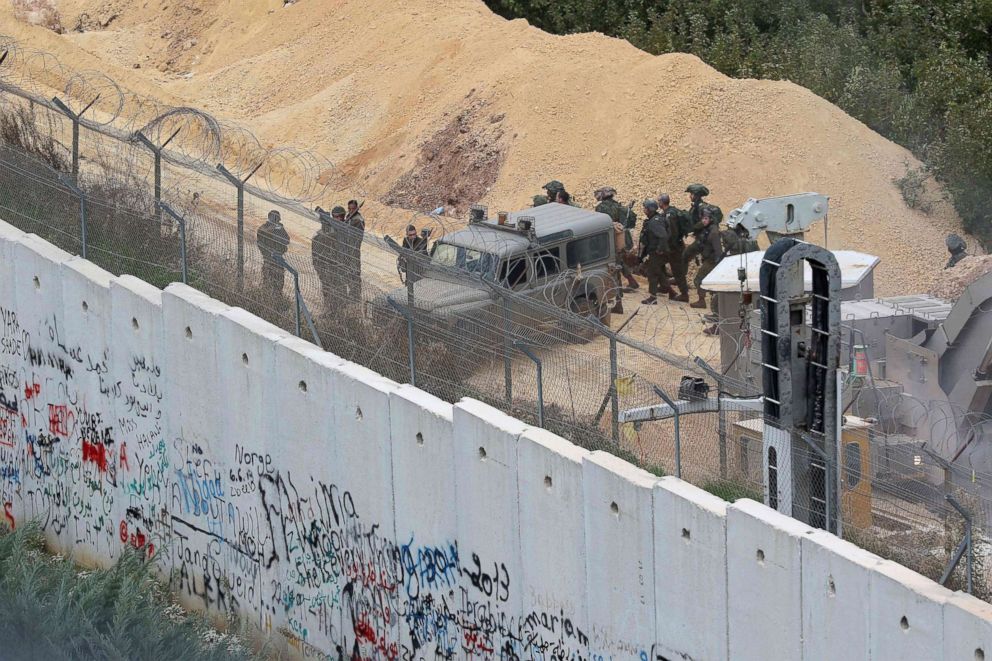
(952,282)
(379,85)
(457,166)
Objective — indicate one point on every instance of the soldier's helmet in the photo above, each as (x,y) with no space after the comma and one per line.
(650,205)
(338,211)
(697,189)
(540,199)
(274,217)
(553,186)
(604,192)
(955,243)
(707,212)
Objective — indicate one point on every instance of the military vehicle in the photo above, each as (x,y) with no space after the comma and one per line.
(554,253)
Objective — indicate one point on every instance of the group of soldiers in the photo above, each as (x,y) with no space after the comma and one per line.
(336,251)
(662,252)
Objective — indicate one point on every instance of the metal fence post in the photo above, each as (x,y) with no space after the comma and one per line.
(78,192)
(302,311)
(162,206)
(75,117)
(540,380)
(507,354)
(239,184)
(678,435)
(964,547)
(722,436)
(409,338)
(614,396)
(157,152)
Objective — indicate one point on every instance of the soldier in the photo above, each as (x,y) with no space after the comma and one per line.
(676,246)
(325,252)
(710,249)
(539,200)
(654,242)
(553,187)
(563,197)
(624,220)
(417,244)
(696,194)
(273,242)
(353,232)
(957,247)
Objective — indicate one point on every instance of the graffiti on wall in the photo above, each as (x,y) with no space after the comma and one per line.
(88,448)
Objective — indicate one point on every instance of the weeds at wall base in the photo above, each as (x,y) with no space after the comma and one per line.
(52,609)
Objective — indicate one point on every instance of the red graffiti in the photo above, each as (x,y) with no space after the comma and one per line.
(368,575)
(96,453)
(123,460)
(476,643)
(8,423)
(8,515)
(59,418)
(32,390)
(364,630)
(137,539)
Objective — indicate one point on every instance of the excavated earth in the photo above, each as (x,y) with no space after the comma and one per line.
(421,103)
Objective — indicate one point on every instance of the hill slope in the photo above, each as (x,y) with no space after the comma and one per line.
(425,102)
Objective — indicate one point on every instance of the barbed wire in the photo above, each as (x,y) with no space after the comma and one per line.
(473,353)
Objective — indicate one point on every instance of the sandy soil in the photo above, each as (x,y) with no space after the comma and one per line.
(374,85)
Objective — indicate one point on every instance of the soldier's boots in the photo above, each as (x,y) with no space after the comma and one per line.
(650,300)
(678,298)
(699,304)
(712,330)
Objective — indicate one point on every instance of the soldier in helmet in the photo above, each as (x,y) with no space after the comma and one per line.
(273,242)
(675,248)
(325,252)
(539,200)
(710,250)
(352,233)
(410,263)
(624,220)
(654,242)
(554,187)
(958,249)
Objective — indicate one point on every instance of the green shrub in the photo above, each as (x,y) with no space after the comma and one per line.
(50,609)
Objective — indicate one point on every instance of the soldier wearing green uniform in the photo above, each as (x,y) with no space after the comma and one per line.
(626,218)
(958,249)
(273,242)
(553,187)
(539,200)
(709,247)
(654,242)
(676,246)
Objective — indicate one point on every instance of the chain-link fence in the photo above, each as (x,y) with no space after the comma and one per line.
(172,194)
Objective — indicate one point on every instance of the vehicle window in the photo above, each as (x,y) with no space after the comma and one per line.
(547,263)
(466,259)
(852,464)
(588,249)
(513,273)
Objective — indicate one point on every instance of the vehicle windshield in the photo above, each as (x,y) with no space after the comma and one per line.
(466,259)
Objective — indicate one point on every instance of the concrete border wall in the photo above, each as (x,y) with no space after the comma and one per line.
(360,518)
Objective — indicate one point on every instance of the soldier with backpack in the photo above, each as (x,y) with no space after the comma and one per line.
(626,218)
(675,247)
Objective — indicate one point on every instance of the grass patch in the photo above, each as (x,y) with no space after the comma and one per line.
(733,491)
(50,609)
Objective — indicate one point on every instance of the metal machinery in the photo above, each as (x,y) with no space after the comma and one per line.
(947,372)
(783,216)
(799,365)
